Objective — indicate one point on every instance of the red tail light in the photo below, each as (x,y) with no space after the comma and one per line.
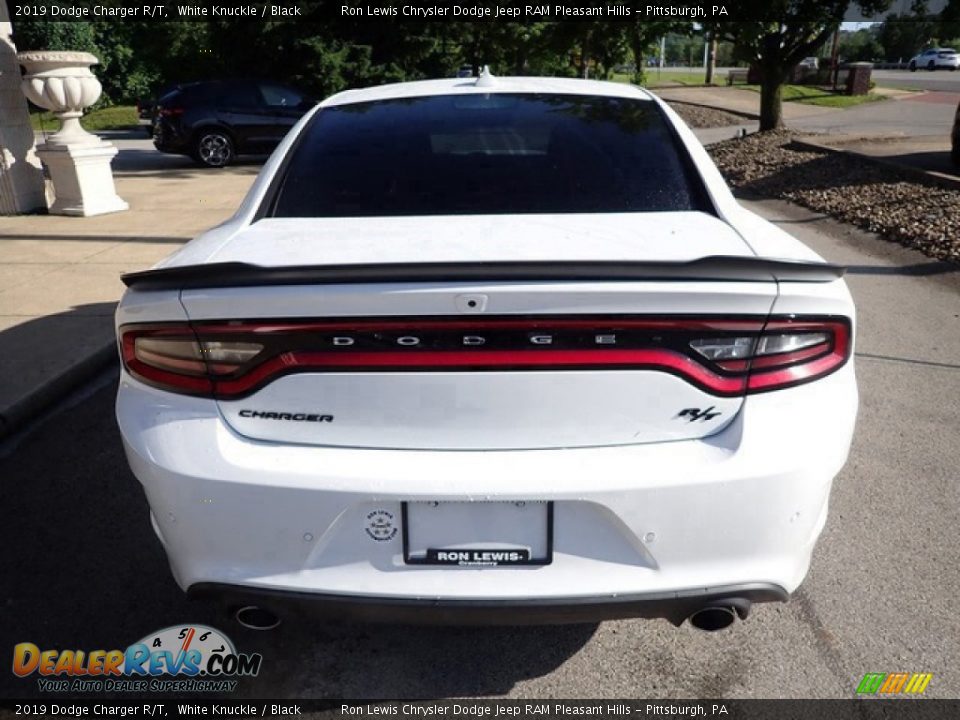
(724,357)
(170,112)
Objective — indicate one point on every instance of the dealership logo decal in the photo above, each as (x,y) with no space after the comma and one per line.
(898,683)
(381,525)
(180,658)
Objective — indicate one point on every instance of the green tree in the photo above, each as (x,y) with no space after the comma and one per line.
(78,36)
(949,20)
(903,36)
(641,36)
(126,74)
(785,32)
(861,45)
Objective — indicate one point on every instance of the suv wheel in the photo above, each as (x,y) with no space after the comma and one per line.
(913,66)
(213,148)
(930,66)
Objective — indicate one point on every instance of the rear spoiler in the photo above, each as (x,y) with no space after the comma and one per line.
(715,268)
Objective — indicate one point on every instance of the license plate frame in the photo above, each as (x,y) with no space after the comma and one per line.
(430,557)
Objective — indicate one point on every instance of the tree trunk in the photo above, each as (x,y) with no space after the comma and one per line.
(771,101)
(711,59)
(585,57)
(637,48)
(639,69)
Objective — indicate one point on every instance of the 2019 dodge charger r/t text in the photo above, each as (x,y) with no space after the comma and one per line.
(495,350)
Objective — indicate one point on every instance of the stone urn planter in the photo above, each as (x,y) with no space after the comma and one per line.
(78,162)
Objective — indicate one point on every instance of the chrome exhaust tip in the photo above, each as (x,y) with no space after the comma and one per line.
(713,618)
(256,618)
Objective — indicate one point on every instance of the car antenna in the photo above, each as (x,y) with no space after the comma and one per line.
(486,78)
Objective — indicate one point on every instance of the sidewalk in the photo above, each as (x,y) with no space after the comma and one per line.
(929,154)
(738,100)
(910,129)
(60,276)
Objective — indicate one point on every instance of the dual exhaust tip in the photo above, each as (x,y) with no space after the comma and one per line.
(254,617)
(710,618)
(721,615)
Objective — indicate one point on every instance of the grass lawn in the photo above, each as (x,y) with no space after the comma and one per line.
(665,78)
(810,95)
(119,117)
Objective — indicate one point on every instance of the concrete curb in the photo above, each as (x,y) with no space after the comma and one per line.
(20,413)
(740,113)
(948,181)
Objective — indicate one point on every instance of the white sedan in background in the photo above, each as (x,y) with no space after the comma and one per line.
(489,350)
(935,59)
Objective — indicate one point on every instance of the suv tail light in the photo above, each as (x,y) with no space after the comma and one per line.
(724,357)
(170,111)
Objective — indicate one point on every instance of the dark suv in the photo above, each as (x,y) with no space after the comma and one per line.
(215,121)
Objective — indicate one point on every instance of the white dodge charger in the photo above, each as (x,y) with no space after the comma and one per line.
(495,350)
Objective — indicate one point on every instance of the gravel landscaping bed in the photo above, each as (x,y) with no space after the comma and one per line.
(901,207)
(697,116)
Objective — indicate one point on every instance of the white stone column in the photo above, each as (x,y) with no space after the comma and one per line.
(21,177)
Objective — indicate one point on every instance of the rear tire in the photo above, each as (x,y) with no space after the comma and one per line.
(913,67)
(213,148)
(930,66)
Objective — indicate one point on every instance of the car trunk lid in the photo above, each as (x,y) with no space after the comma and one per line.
(481,333)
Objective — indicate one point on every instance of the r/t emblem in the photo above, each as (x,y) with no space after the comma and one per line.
(694,414)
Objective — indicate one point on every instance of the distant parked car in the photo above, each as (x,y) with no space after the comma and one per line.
(955,139)
(215,121)
(809,63)
(935,58)
(147,108)
(145,111)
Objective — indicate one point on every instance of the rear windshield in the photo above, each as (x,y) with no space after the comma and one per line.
(487,154)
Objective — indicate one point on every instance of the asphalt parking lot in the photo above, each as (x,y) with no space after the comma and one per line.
(80,567)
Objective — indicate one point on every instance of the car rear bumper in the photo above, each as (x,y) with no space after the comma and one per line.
(637,529)
(167,139)
(672,606)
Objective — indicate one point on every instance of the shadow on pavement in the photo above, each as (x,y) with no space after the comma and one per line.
(938,161)
(48,355)
(147,160)
(82,569)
